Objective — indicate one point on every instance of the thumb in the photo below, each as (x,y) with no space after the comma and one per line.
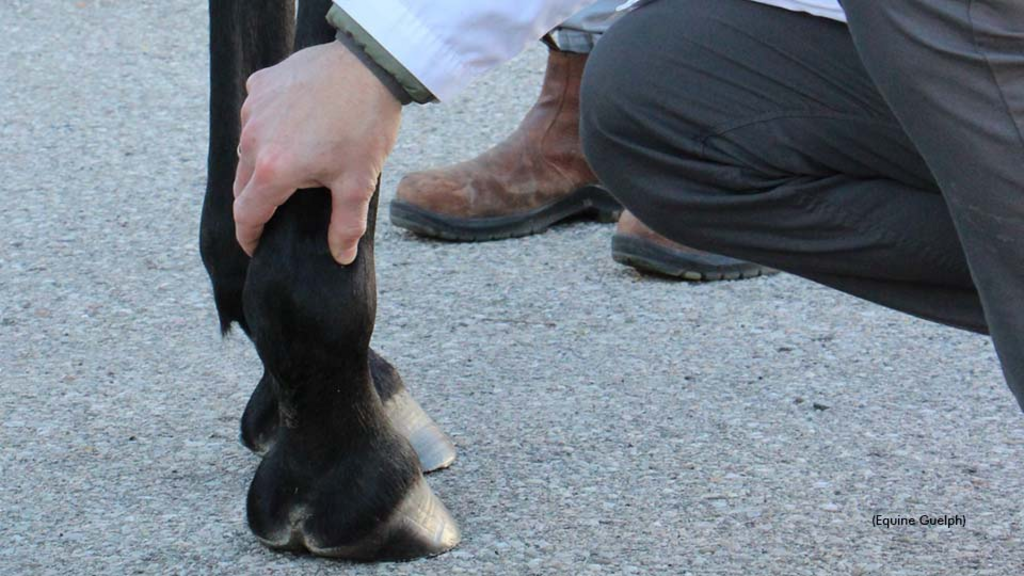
(349,208)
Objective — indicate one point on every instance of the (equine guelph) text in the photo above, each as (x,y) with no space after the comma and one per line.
(949,520)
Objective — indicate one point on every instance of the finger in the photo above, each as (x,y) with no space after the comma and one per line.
(250,218)
(256,204)
(350,205)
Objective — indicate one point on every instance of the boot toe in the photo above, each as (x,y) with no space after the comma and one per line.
(434,191)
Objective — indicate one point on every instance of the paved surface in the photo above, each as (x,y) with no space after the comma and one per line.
(607,423)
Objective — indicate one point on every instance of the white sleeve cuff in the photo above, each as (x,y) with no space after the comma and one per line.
(425,55)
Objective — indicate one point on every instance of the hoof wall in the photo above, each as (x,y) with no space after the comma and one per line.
(433,447)
(420,527)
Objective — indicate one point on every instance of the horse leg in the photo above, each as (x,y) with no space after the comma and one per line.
(340,480)
(244,37)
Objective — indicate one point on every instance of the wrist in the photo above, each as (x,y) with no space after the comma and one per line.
(387,80)
(391,73)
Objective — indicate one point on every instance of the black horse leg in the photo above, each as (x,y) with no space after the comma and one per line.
(339,480)
(244,37)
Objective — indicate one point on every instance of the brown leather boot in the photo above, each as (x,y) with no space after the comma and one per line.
(534,178)
(636,245)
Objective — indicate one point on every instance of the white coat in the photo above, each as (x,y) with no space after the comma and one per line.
(445,44)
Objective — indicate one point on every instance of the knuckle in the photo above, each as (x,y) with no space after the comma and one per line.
(246,110)
(350,230)
(244,217)
(355,191)
(243,222)
(253,80)
(269,166)
(248,138)
(252,213)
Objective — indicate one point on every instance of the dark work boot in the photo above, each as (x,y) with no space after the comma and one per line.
(636,245)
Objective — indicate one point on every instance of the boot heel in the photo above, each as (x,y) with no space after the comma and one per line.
(604,207)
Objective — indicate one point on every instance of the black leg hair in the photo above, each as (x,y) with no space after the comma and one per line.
(312,28)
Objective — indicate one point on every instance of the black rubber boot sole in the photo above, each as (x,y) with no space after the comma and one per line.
(652,258)
(588,202)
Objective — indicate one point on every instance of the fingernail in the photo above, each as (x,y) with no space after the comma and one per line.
(345,259)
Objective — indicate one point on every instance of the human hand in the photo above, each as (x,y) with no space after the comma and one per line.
(318,119)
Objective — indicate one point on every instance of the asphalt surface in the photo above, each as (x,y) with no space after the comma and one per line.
(607,423)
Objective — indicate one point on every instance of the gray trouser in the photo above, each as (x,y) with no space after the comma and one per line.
(583,29)
(885,159)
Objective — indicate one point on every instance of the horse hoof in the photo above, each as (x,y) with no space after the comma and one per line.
(258,427)
(421,527)
(370,505)
(433,447)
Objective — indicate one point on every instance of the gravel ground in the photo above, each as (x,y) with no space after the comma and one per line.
(607,423)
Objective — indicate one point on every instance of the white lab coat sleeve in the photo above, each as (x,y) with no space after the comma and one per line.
(445,44)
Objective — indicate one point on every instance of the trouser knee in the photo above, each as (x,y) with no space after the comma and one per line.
(604,131)
(616,135)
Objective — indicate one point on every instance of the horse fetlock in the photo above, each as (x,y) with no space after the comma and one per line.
(434,449)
